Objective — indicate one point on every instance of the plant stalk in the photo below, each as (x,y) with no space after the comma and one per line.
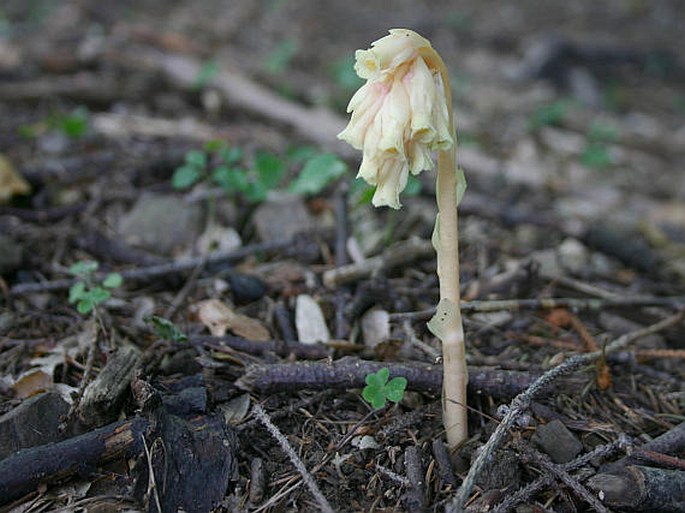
(454,413)
(453,352)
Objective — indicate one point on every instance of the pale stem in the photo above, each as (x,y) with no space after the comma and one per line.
(455,376)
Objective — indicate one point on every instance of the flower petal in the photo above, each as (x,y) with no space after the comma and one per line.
(395,116)
(392,179)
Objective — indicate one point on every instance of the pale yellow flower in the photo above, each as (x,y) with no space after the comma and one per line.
(399,116)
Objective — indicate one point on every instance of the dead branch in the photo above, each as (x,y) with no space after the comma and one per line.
(282,348)
(350,372)
(574,304)
(544,462)
(398,254)
(156,271)
(21,473)
(414,496)
(637,488)
(526,493)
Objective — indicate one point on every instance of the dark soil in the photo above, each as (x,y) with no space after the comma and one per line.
(571,120)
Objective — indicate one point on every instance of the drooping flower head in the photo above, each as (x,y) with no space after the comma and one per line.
(400,115)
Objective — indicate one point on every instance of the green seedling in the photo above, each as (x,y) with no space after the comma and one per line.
(596,153)
(551,114)
(379,390)
(224,166)
(318,171)
(86,293)
(193,170)
(165,329)
(206,74)
(73,124)
(280,58)
(344,75)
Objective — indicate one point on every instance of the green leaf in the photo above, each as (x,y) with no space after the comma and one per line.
(596,155)
(413,187)
(378,390)
(196,158)
(552,114)
(97,295)
(269,169)
(374,396)
(76,292)
(345,75)
(230,179)
(83,268)
(184,177)
(215,145)
(317,173)
(378,379)
(206,74)
(301,153)
(394,390)
(112,281)
(360,192)
(85,306)
(75,124)
(256,192)
(231,155)
(600,131)
(165,329)
(279,59)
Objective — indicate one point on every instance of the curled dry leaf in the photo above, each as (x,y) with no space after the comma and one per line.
(11,182)
(219,318)
(32,383)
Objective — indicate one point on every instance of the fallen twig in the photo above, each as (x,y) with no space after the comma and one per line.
(156,271)
(414,495)
(21,473)
(530,490)
(557,472)
(282,348)
(521,403)
(350,372)
(398,254)
(574,304)
(292,455)
(638,488)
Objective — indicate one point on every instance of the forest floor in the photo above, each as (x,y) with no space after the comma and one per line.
(193,288)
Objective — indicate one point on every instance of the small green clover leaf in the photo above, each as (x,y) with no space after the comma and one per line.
(86,293)
(83,268)
(112,281)
(379,390)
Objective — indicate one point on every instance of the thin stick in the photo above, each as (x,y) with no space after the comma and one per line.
(283,442)
(534,487)
(522,402)
(575,304)
(156,271)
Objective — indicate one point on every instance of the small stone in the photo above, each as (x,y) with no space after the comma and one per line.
(11,255)
(245,288)
(161,223)
(282,217)
(557,441)
(375,326)
(309,321)
(573,256)
(549,262)
(34,422)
